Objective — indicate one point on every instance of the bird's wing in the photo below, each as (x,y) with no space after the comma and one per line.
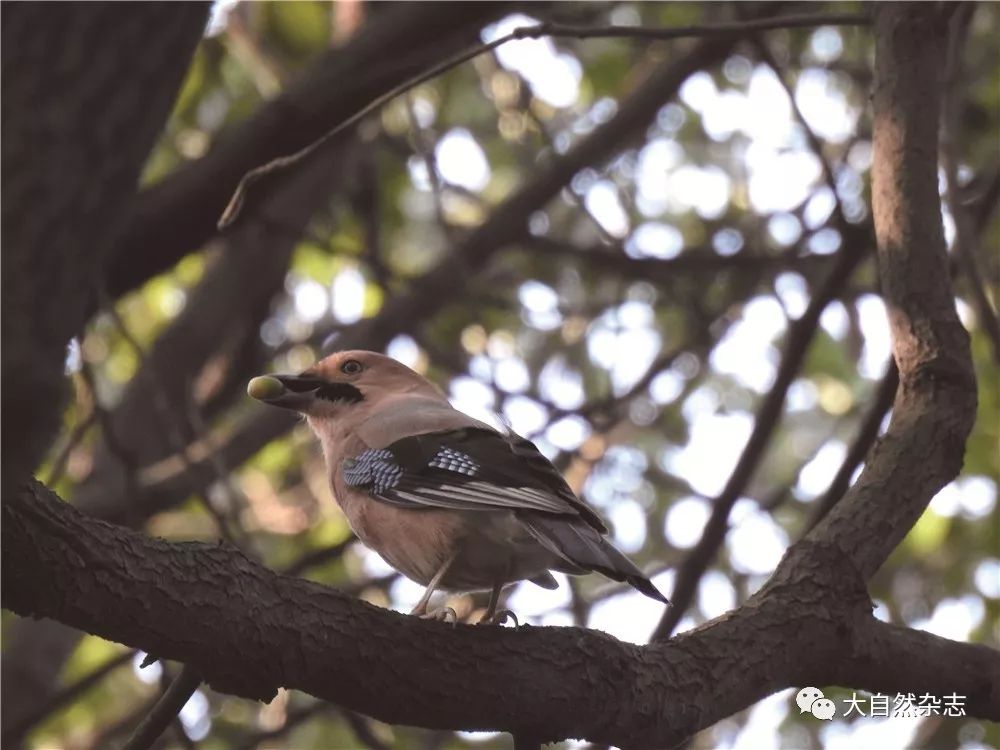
(581,546)
(466,469)
(475,468)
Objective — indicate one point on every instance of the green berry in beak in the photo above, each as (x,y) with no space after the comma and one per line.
(265,388)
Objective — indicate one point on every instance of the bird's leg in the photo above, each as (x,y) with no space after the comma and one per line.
(492,617)
(446,613)
(491,608)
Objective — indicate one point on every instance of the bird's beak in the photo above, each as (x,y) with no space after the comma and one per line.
(287,391)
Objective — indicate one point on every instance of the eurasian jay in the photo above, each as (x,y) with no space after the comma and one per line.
(445,499)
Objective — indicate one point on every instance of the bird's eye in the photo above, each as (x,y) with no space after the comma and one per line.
(351,367)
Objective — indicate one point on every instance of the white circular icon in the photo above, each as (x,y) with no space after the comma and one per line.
(811,699)
(805,697)
(823,708)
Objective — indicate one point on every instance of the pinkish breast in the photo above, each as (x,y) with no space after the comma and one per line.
(414,542)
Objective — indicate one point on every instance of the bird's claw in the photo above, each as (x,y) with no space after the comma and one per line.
(444,614)
(499,618)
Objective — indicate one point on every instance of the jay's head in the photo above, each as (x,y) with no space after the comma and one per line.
(342,383)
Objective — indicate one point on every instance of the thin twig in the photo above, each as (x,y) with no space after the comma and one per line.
(171,424)
(233,534)
(361,728)
(13,734)
(108,734)
(524,105)
(608,405)
(797,343)
(125,455)
(984,204)
(965,236)
(693,260)
(423,144)
(829,175)
(176,725)
(537,31)
(61,461)
(165,710)
(866,437)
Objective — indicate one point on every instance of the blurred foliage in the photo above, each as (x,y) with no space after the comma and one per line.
(550,334)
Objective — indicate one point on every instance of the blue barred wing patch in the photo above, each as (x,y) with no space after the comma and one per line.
(467,469)
(375,470)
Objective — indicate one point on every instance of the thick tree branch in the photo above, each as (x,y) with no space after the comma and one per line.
(87,89)
(895,659)
(223,310)
(249,630)
(68,179)
(935,405)
(178,215)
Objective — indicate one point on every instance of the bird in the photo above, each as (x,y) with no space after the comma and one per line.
(447,500)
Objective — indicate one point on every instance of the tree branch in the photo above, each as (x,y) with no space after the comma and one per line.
(743,28)
(165,710)
(867,435)
(68,180)
(178,215)
(167,482)
(935,405)
(895,659)
(13,733)
(248,630)
(766,420)
(710,31)
(225,308)
(694,260)
(966,239)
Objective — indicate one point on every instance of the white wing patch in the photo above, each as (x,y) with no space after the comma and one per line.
(450,459)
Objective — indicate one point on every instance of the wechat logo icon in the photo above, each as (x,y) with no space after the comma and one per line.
(812,700)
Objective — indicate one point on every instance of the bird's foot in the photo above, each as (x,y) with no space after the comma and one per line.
(499,618)
(444,614)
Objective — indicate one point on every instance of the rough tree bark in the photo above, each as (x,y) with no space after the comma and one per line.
(150,232)
(163,485)
(87,89)
(71,162)
(249,630)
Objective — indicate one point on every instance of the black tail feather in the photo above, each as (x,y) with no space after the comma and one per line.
(583,547)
